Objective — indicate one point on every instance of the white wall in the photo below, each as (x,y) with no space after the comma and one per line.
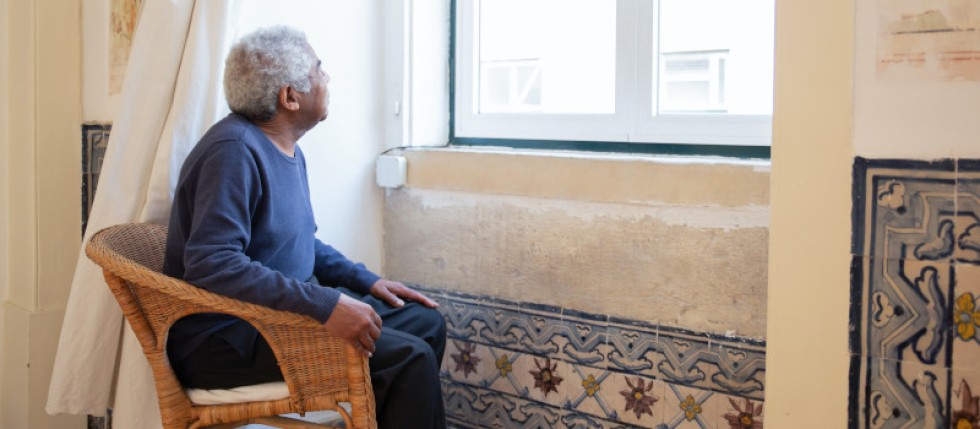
(97,104)
(340,152)
(910,112)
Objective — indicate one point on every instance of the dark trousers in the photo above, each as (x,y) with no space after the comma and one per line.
(404,367)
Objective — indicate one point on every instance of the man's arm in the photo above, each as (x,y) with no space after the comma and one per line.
(225,193)
(333,268)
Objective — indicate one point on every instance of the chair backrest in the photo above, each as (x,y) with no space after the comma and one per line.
(142,243)
(131,256)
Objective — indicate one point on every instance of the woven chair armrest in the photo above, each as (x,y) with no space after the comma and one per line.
(309,357)
(307,354)
(203,301)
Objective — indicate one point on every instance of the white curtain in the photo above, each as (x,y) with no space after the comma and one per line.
(171,95)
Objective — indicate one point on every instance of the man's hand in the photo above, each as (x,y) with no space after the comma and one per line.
(355,322)
(392,292)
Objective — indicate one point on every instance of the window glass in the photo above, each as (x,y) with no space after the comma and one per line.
(715,56)
(536,60)
(628,71)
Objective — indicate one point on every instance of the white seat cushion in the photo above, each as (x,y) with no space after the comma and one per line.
(253,393)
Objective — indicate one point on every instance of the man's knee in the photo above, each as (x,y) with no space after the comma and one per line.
(435,329)
(421,358)
(433,318)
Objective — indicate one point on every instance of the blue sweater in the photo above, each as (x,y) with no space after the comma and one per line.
(241,225)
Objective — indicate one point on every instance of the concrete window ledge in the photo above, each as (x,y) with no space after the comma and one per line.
(588,176)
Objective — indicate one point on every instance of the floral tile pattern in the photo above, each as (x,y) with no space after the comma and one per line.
(915,313)
(644,398)
(528,365)
(743,414)
(690,408)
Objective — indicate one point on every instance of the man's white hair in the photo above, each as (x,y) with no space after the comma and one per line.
(261,63)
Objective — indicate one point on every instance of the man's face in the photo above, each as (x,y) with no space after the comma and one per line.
(316,101)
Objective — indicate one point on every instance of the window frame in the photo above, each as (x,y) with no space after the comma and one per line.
(743,136)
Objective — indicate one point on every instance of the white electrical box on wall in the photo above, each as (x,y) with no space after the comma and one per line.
(390,171)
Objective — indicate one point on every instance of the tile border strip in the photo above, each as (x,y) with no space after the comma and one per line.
(732,366)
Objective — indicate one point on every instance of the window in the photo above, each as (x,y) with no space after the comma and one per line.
(695,72)
(693,82)
(510,86)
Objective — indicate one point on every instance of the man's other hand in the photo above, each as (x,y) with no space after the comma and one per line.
(355,322)
(394,292)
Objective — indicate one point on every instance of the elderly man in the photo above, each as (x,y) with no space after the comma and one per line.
(242,225)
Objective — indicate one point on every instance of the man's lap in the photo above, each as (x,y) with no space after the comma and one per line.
(413,318)
(217,365)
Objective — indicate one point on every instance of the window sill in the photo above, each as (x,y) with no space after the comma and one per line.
(591,176)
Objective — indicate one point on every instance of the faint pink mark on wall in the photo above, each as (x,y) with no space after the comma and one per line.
(939,42)
(123,17)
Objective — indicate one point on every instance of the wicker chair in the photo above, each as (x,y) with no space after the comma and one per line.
(320,370)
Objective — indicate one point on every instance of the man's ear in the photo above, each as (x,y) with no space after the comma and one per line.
(289,98)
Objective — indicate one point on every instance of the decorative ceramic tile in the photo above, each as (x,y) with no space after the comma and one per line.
(466,362)
(637,400)
(682,356)
(95,140)
(588,390)
(473,407)
(100,422)
(502,376)
(689,408)
(915,284)
(545,334)
(482,321)
(965,319)
(740,413)
(741,369)
(898,194)
(905,394)
(964,402)
(855,342)
(734,366)
(584,339)
(968,185)
(529,365)
(467,406)
(907,308)
(549,381)
(634,347)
